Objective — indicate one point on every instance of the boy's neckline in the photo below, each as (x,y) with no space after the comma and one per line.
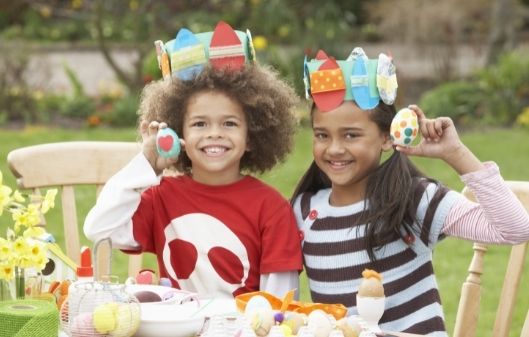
(189,179)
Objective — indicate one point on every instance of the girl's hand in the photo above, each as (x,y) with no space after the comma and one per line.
(148,135)
(440,140)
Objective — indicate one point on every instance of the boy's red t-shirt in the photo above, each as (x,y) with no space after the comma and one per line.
(217,239)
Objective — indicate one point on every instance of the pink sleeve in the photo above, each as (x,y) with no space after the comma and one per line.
(499,217)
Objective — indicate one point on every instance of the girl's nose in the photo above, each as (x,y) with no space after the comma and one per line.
(336,147)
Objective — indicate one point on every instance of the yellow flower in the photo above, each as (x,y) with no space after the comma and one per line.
(49,200)
(5,198)
(5,247)
(260,42)
(7,271)
(20,248)
(18,197)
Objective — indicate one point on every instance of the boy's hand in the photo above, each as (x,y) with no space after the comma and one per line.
(148,135)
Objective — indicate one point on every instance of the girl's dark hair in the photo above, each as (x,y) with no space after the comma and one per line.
(392,204)
(267,101)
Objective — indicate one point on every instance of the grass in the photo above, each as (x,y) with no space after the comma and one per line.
(507,147)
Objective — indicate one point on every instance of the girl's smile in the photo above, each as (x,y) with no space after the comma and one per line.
(347,146)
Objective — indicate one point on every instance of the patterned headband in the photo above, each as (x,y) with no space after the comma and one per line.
(186,55)
(365,81)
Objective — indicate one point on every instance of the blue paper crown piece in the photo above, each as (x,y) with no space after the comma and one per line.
(365,81)
(185,56)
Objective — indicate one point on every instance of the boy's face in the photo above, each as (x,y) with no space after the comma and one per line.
(215,133)
(347,146)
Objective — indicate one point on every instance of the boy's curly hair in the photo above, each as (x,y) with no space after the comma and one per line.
(266,100)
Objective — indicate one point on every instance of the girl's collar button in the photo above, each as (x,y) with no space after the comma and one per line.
(313,214)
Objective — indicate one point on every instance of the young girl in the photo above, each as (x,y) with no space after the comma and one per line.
(356,212)
(215,230)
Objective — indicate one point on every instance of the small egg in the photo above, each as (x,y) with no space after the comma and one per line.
(261,321)
(320,323)
(104,317)
(146,296)
(127,320)
(257,302)
(404,127)
(167,143)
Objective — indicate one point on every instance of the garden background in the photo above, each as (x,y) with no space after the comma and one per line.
(73,70)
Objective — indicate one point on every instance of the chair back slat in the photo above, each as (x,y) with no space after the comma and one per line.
(69,215)
(69,164)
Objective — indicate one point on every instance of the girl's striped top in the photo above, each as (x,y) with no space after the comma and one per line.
(335,253)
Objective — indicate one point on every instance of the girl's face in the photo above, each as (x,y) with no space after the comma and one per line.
(347,146)
(215,132)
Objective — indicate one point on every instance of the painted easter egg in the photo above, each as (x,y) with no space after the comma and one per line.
(256,303)
(167,143)
(404,127)
(320,323)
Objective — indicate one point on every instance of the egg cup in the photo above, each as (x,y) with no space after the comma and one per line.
(371,309)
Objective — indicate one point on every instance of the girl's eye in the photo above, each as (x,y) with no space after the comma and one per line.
(351,135)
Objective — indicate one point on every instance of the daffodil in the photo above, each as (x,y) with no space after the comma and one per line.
(21,248)
(49,201)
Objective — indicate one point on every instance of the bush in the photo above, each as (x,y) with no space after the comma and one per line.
(123,112)
(506,86)
(461,101)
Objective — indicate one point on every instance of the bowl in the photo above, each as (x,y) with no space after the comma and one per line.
(181,320)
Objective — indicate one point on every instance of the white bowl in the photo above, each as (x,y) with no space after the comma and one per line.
(181,320)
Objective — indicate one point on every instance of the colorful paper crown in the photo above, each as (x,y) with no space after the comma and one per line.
(365,81)
(186,55)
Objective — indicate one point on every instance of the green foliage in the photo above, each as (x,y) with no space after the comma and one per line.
(151,71)
(494,96)
(506,86)
(460,101)
(123,112)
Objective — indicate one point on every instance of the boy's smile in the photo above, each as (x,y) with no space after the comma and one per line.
(215,132)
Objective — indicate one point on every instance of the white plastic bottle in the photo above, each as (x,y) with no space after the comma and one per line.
(78,288)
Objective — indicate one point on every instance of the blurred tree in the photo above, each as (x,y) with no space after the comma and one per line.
(433,28)
(502,31)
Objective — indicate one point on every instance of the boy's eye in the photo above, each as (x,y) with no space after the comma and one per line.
(198,124)
(230,123)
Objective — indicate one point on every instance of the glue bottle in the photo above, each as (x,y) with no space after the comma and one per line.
(85,274)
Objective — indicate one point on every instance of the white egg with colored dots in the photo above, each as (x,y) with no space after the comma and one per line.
(404,127)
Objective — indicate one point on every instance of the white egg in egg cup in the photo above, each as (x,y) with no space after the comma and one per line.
(371,309)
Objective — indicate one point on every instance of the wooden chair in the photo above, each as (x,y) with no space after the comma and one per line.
(468,310)
(67,165)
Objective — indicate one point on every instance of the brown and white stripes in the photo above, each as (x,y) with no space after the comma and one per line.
(335,252)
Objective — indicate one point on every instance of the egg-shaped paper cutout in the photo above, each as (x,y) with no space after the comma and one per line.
(167,143)
(404,127)
(256,303)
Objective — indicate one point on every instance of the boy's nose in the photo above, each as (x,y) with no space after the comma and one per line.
(215,131)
